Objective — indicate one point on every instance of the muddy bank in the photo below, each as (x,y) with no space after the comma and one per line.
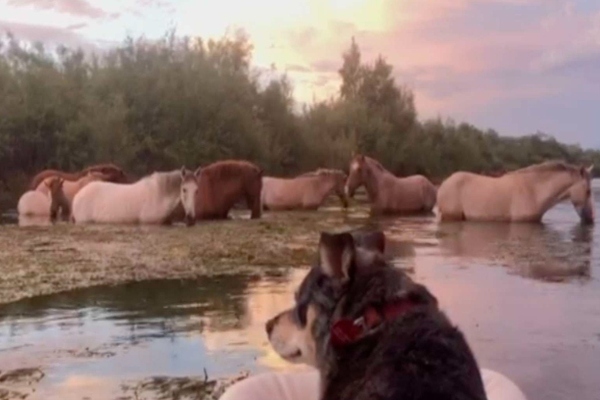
(44,260)
(21,384)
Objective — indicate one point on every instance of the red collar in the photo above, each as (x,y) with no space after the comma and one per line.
(345,331)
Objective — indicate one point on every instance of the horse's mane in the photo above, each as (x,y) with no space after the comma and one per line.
(322,172)
(226,169)
(169,181)
(547,166)
(375,163)
(102,166)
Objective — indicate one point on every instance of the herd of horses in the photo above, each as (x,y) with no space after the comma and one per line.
(104,194)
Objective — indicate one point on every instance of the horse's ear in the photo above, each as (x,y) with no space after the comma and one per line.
(197,171)
(590,169)
(47,182)
(336,255)
(183,171)
(61,181)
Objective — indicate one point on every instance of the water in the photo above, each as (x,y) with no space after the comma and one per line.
(527,298)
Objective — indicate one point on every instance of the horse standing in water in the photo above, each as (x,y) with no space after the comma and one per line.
(148,201)
(523,195)
(304,192)
(112,172)
(389,194)
(71,188)
(34,203)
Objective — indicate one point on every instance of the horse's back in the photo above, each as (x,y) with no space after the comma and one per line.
(96,200)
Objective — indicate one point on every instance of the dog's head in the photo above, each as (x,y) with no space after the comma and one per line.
(343,274)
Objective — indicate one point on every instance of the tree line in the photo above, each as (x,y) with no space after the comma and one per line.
(156,105)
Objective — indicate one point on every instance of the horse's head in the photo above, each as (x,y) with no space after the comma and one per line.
(581,196)
(57,196)
(189,191)
(355,176)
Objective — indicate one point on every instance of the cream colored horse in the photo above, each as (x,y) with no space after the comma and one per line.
(523,195)
(37,203)
(304,192)
(71,188)
(389,194)
(148,201)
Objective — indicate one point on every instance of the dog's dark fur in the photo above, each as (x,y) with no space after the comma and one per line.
(418,355)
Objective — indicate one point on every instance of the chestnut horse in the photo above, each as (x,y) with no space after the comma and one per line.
(305,192)
(389,194)
(35,203)
(71,188)
(523,195)
(113,173)
(224,183)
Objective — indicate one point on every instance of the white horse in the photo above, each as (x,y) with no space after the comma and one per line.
(36,203)
(148,201)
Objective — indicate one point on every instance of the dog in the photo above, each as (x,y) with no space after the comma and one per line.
(371,331)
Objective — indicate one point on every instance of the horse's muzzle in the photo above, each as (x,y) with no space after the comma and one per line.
(189,220)
(587,216)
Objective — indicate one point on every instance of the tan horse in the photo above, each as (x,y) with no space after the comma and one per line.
(114,174)
(304,192)
(34,203)
(389,194)
(523,195)
(71,188)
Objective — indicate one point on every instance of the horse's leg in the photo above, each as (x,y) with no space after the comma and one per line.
(254,203)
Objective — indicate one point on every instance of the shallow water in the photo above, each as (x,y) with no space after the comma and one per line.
(527,298)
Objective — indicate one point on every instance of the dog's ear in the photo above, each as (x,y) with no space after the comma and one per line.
(336,255)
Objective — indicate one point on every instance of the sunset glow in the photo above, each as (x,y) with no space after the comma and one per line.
(513,65)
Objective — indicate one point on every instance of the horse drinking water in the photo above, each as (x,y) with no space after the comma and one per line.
(34,203)
(71,188)
(523,195)
(148,201)
(304,192)
(389,194)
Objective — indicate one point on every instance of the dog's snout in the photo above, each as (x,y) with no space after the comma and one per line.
(270,325)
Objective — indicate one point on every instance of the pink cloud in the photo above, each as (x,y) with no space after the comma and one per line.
(73,7)
(46,34)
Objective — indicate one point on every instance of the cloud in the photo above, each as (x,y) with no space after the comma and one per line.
(73,7)
(46,34)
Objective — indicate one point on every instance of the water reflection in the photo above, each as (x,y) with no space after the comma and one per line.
(537,251)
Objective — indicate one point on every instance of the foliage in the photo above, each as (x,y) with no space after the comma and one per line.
(156,105)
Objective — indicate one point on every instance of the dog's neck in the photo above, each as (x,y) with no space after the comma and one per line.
(346,331)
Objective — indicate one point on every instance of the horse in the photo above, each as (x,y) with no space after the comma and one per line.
(148,201)
(34,203)
(304,192)
(523,195)
(387,193)
(113,173)
(71,188)
(223,183)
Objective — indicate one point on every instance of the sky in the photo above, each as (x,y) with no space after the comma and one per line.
(515,66)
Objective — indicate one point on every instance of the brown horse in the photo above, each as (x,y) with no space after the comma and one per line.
(223,183)
(389,194)
(37,203)
(523,195)
(113,173)
(70,188)
(305,192)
